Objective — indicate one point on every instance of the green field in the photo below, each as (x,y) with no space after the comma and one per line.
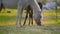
(50,24)
(30,30)
(10,18)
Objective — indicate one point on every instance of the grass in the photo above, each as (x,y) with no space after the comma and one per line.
(50,25)
(7,18)
(30,30)
(58,11)
(49,15)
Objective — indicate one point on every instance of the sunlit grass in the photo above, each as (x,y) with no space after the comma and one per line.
(4,12)
(10,18)
(29,30)
(49,12)
(8,23)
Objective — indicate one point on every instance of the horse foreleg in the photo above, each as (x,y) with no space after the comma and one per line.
(19,15)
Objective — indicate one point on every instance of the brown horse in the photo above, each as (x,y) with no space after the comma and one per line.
(29,11)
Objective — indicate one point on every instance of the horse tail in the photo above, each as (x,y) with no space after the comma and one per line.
(1,7)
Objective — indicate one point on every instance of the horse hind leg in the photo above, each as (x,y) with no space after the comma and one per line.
(27,12)
(25,19)
(32,16)
(32,19)
(29,20)
(29,17)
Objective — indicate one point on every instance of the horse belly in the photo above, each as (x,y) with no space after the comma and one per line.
(10,3)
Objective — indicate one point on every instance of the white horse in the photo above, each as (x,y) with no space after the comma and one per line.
(34,5)
(21,4)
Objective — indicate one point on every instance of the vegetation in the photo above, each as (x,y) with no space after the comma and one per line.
(48,15)
(50,25)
